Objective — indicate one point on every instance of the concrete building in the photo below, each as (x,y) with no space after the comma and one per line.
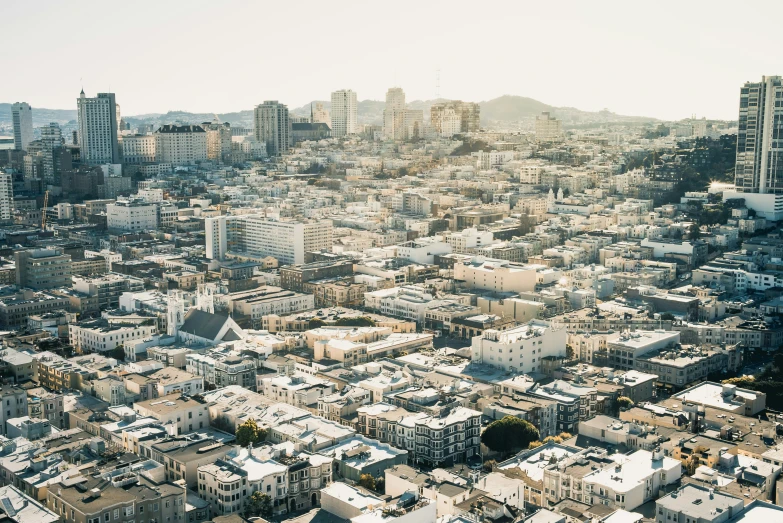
(181,144)
(272,126)
(520,349)
(699,505)
(22,120)
(495,275)
(6,197)
(98,126)
(450,118)
(131,216)
(344,113)
(43,269)
(548,128)
(286,241)
(100,336)
(139,148)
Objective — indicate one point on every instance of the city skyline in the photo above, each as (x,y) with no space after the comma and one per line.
(642,64)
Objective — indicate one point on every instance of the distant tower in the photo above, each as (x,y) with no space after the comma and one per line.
(550,198)
(175,314)
(560,194)
(344,113)
(205,297)
(22,116)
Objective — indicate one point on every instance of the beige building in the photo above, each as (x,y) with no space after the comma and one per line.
(181,144)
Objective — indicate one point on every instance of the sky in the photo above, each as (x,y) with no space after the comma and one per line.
(664,59)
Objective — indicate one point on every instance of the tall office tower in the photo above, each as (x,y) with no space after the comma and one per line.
(548,128)
(320,115)
(394,114)
(51,142)
(455,117)
(98,129)
(22,115)
(344,113)
(273,127)
(6,197)
(759,167)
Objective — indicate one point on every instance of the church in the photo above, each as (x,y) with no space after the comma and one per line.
(201,325)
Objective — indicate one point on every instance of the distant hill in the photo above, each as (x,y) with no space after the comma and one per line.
(506,108)
(512,108)
(40,116)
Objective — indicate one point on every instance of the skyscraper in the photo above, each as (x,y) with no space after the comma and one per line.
(273,126)
(98,129)
(6,197)
(759,167)
(394,114)
(22,115)
(344,113)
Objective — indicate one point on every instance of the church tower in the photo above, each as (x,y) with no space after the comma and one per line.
(205,297)
(175,314)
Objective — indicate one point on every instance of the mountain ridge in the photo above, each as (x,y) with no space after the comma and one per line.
(506,108)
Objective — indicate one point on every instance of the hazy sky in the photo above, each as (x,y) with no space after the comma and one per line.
(666,59)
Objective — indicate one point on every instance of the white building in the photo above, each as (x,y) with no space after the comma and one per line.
(520,349)
(344,113)
(6,197)
(139,148)
(181,144)
(632,480)
(98,125)
(495,275)
(287,241)
(394,114)
(131,216)
(102,338)
(469,240)
(22,115)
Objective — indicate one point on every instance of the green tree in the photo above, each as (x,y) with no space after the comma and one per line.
(118,353)
(489,465)
(367,481)
(359,321)
(380,485)
(624,402)
(316,323)
(249,432)
(259,504)
(509,433)
(667,316)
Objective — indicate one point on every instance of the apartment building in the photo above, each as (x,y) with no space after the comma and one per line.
(520,349)
(16,309)
(100,336)
(107,289)
(131,216)
(181,144)
(139,148)
(98,129)
(495,275)
(41,269)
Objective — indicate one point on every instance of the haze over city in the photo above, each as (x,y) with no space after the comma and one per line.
(667,62)
(391,262)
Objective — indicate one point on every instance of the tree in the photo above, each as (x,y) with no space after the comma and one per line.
(316,323)
(118,353)
(624,402)
(535,444)
(509,433)
(778,362)
(367,481)
(565,435)
(359,321)
(553,439)
(380,485)
(259,504)
(249,432)
(667,316)
(489,465)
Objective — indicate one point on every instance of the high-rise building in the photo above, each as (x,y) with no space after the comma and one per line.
(450,118)
(344,113)
(759,167)
(218,140)
(394,114)
(181,144)
(43,269)
(273,127)
(22,115)
(253,234)
(98,129)
(6,197)
(548,128)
